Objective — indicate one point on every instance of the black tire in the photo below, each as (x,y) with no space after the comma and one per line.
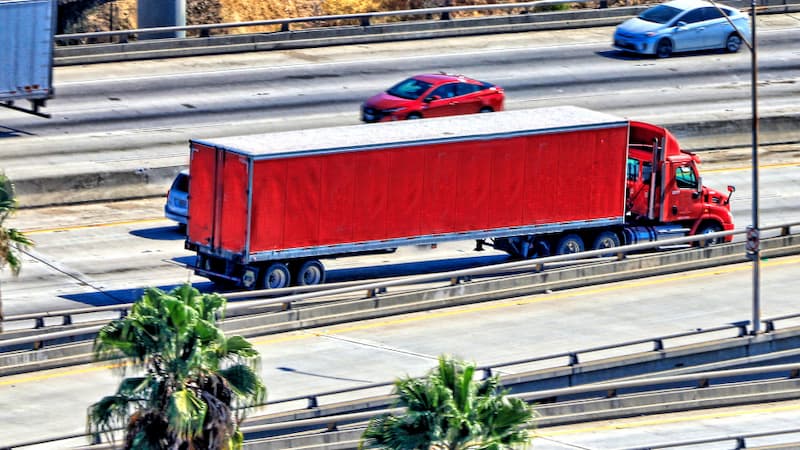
(486,109)
(250,278)
(414,116)
(605,239)
(664,48)
(569,243)
(733,43)
(276,276)
(310,273)
(709,228)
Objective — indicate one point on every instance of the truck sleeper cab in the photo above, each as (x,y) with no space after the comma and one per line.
(266,208)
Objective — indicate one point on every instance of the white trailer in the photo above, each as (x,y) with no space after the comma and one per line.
(26,39)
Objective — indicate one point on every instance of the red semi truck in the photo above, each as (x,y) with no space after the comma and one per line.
(264,208)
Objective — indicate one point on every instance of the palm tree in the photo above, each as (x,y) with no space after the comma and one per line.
(11,240)
(449,410)
(196,385)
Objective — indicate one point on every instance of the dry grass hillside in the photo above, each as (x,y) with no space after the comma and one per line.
(122,13)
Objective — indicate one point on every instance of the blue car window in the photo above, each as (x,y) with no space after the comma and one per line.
(712,13)
(660,14)
(694,16)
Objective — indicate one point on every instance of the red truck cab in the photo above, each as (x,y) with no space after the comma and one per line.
(679,195)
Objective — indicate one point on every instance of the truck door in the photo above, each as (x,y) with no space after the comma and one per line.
(218,199)
(682,193)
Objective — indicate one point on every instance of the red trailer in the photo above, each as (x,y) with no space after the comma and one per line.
(264,208)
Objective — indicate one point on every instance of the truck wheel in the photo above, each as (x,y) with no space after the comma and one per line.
(250,278)
(709,228)
(310,273)
(276,276)
(569,243)
(605,239)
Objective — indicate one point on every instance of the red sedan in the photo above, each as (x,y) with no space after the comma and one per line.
(433,95)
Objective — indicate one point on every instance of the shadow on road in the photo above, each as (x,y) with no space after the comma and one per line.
(172,233)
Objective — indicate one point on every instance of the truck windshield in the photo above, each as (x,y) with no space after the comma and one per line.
(660,14)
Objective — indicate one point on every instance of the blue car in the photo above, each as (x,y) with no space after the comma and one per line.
(682,26)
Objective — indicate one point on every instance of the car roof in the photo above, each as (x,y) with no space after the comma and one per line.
(436,78)
(690,4)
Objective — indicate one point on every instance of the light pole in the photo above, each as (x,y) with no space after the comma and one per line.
(756,253)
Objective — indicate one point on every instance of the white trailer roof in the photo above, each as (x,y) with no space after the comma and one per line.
(414,132)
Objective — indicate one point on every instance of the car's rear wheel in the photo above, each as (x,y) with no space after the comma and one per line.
(414,116)
(664,48)
(733,43)
(486,109)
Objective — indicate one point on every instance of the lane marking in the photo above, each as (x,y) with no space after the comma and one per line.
(95,225)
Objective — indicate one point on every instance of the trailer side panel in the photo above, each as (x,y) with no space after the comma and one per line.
(437,189)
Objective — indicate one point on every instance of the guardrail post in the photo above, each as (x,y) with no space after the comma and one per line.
(603,4)
(364,20)
(658,345)
(67,320)
(123,38)
(573,359)
(769,326)
(285,27)
(703,383)
(785,231)
(205,32)
(123,313)
(621,256)
(331,426)
(487,373)
(96,440)
(458,280)
(372,293)
(740,443)
(312,402)
(39,323)
(38,345)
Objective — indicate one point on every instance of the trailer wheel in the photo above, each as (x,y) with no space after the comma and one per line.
(276,276)
(310,273)
(569,243)
(605,239)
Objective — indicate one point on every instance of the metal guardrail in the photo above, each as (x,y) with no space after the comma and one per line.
(364,19)
(604,389)
(739,440)
(373,289)
(701,380)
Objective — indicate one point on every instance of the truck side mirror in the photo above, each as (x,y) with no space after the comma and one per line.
(731,190)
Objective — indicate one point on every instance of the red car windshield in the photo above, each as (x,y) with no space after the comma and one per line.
(410,89)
